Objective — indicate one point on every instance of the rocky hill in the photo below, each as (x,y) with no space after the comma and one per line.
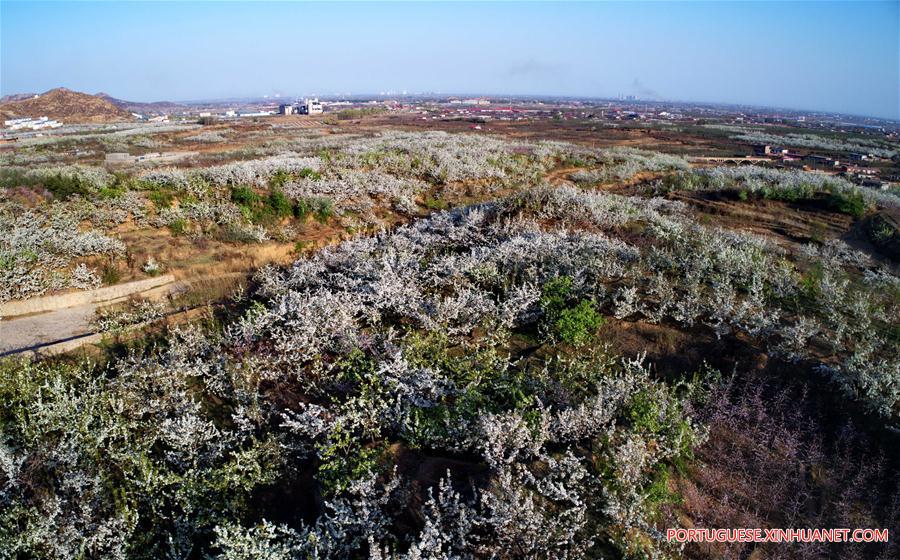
(143,107)
(67,106)
(16,97)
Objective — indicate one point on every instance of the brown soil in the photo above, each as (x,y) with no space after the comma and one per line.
(675,352)
(561,176)
(785,221)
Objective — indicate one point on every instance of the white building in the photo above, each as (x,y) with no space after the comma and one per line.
(32,123)
(311,107)
(46,124)
(13,122)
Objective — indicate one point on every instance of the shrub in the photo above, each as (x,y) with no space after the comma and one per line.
(110,274)
(178,226)
(63,182)
(210,137)
(309,173)
(556,294)
(788,185)
(239,233)
(12,177)
(109,193)
(349,114)
(161,198)
(244,196)
(322,208)
(436,204)
(576,325)
(279,178)
(302,208)
(40,246)
(118,319)
(881,231)
(152,267)
(280,204)
(794,193)
(344,461)
(64,187)
(644,412)
(851,203)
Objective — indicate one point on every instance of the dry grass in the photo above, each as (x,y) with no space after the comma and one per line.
(780,456)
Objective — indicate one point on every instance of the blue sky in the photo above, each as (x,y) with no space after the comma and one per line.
(830,56)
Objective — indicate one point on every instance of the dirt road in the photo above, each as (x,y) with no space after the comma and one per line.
(31,331)
(32,324)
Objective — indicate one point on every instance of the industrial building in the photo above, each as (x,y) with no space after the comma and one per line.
(32,123)
(308,107)
(311,107)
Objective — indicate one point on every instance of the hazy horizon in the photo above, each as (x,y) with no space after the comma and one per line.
(834,57)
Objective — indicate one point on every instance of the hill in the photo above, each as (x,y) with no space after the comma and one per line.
(142,107)
(67,106)
(16,97)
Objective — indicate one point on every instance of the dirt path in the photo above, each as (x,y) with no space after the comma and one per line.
(26,332)
(66,317)
(561,176)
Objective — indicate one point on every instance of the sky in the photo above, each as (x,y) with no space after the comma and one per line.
(831,56)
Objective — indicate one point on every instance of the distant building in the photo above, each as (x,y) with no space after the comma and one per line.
(856,170)
(32,123)
(12,122)
(119,157)
(286,109)
(816,159)
(311,107)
